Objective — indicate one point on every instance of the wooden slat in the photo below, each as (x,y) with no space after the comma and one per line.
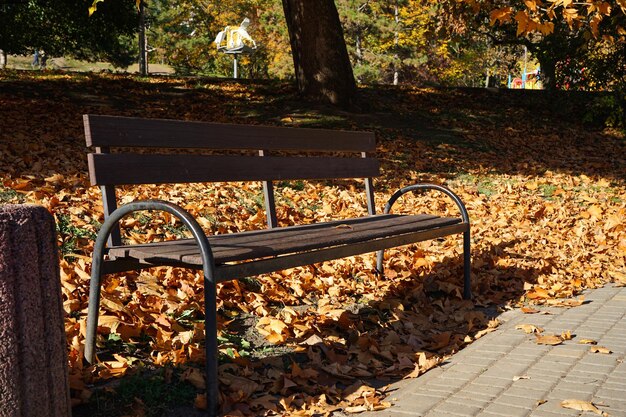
(227,272)
(118,169)
(262,266)
(268,243)
(161,133)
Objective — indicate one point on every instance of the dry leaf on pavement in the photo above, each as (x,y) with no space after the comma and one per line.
(581,405)
(548,339)
(529,328)
(600,349)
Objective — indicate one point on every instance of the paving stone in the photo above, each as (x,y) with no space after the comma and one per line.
(473,401)
(613,406)
(610,393)
(482,389)
(542,413)
(576,387)
(554,364)
(478,382)
(528,402)
(420,403)
(467,369)
(599,359)
(479,397)
(506,410)
(465,410)
(483,361)
(564,394)
(591,369)
(444,386)
(615,386)
(568,351)
(531,391)
(490,381)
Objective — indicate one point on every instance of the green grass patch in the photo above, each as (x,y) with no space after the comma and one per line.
(10,196)
(484,185)
(150,395)
(547,191)
(71,236)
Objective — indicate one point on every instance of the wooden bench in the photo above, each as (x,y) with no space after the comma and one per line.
(230,256)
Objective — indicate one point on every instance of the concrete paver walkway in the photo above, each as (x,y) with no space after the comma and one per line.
(481,380)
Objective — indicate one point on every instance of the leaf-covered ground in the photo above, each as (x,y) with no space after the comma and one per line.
(545,191)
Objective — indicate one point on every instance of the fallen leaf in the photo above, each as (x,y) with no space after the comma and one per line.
(518,377)
(581,405)
(548,339)
(567,335)
(600,349)
(587,342)
(529,310)
(529,328)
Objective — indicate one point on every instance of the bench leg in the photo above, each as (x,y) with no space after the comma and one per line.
(467,263)
(94,307)
(210,343)
(379,263)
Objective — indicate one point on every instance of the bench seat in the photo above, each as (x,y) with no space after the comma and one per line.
(252,251)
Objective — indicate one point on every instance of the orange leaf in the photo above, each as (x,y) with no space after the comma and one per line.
(549,339)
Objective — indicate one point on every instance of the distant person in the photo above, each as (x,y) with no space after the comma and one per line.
(44,59)
(36,58)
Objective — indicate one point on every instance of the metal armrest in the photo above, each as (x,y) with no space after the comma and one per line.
(209,282)
(466,235)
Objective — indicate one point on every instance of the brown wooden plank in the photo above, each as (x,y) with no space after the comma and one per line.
(118,169)
(238,247)
(262,266)
(161,133)
(227,246)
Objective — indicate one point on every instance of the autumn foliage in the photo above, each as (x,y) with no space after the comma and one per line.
(545,193)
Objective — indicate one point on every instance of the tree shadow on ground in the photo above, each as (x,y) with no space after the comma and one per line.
(505,131)
(373,342)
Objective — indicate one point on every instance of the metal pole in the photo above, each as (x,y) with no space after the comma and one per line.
(525,60)
(143,69)
(235,65)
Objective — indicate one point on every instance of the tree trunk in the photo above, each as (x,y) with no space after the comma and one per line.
(3,59)
(320,57)
(548,72)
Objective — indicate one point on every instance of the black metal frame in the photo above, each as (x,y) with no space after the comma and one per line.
(467,291)
(210,295)
(214,273)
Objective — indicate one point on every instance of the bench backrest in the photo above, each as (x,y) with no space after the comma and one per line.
(109,167)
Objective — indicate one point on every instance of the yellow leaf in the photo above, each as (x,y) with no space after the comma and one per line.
(94,6)
(587,342)
(502,15)
(522,23)
(522,17)
(600,349)
(581,405)
(529,328)
(531,4)
(548,339)
(595,211)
